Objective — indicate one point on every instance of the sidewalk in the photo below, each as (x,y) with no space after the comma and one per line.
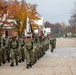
(45,66)
(61,62)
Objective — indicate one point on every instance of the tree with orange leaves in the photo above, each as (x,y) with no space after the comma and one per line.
(19,11)
(3,11)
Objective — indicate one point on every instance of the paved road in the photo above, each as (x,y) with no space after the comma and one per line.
(61,62)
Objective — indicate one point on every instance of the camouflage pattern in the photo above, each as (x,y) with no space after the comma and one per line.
(52,44)
(14,52)
(29,55)
(7,49)
(31,50)
(1,46)
(21,50)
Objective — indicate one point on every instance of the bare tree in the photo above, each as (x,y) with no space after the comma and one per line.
(72,21)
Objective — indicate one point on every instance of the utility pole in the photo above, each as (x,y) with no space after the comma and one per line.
(59,31)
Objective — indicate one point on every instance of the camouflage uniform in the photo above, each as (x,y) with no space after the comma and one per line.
(14,51)
(21,50)
(29,48)
(52,44)
(1,45)
(35,49)
(7,49)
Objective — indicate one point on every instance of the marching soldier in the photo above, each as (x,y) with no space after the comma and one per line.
(7,49)
(35,49)
(14,51)
(29,50)
(52,44)
(21,49)
(1,45)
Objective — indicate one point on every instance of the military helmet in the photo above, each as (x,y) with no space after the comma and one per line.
(6,36)
(13,37)
(20,37)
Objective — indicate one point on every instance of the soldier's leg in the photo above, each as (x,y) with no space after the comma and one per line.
(52,48)
(23,55)
(16,57)
(4,56)
(31,59)
(0,58)
(12,55)
(20,56)
(8,55)
(27,59)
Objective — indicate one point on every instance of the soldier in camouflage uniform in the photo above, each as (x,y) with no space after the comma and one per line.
(38,48)
(0,49)
(35,49)
(52,44)
(29,50)
(3,51)
(7,49)
(21,49)
(14,51)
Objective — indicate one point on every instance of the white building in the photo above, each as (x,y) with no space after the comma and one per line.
(40,23)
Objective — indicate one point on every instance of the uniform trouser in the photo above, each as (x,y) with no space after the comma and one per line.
(34,56)
(3,54)
(20,57)
(29,57)
(47,46)
(43,49)
(39,52)
(52,48)
(21,54)
(0,56)
(14,55)
(8,54)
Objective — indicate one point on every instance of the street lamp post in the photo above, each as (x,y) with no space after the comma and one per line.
(59,31)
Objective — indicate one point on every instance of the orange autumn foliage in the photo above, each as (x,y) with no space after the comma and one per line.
(19,11)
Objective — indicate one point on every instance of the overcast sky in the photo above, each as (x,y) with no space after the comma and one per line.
(54,10)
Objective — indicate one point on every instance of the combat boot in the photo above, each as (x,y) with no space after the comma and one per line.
(0,63)
(16,63)
(12,64)
(27,66)
(30,65)
(23,60)
(19,61)
(51,50)
(8,60)
(4,62)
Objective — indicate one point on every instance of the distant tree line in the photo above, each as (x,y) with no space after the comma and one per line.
(58,29)
(61,29)
(72,21)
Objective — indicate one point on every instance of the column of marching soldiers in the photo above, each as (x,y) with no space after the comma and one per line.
(15,50)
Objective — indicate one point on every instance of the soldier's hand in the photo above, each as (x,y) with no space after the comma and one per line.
(33,51)
(41,46)
(2,47)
